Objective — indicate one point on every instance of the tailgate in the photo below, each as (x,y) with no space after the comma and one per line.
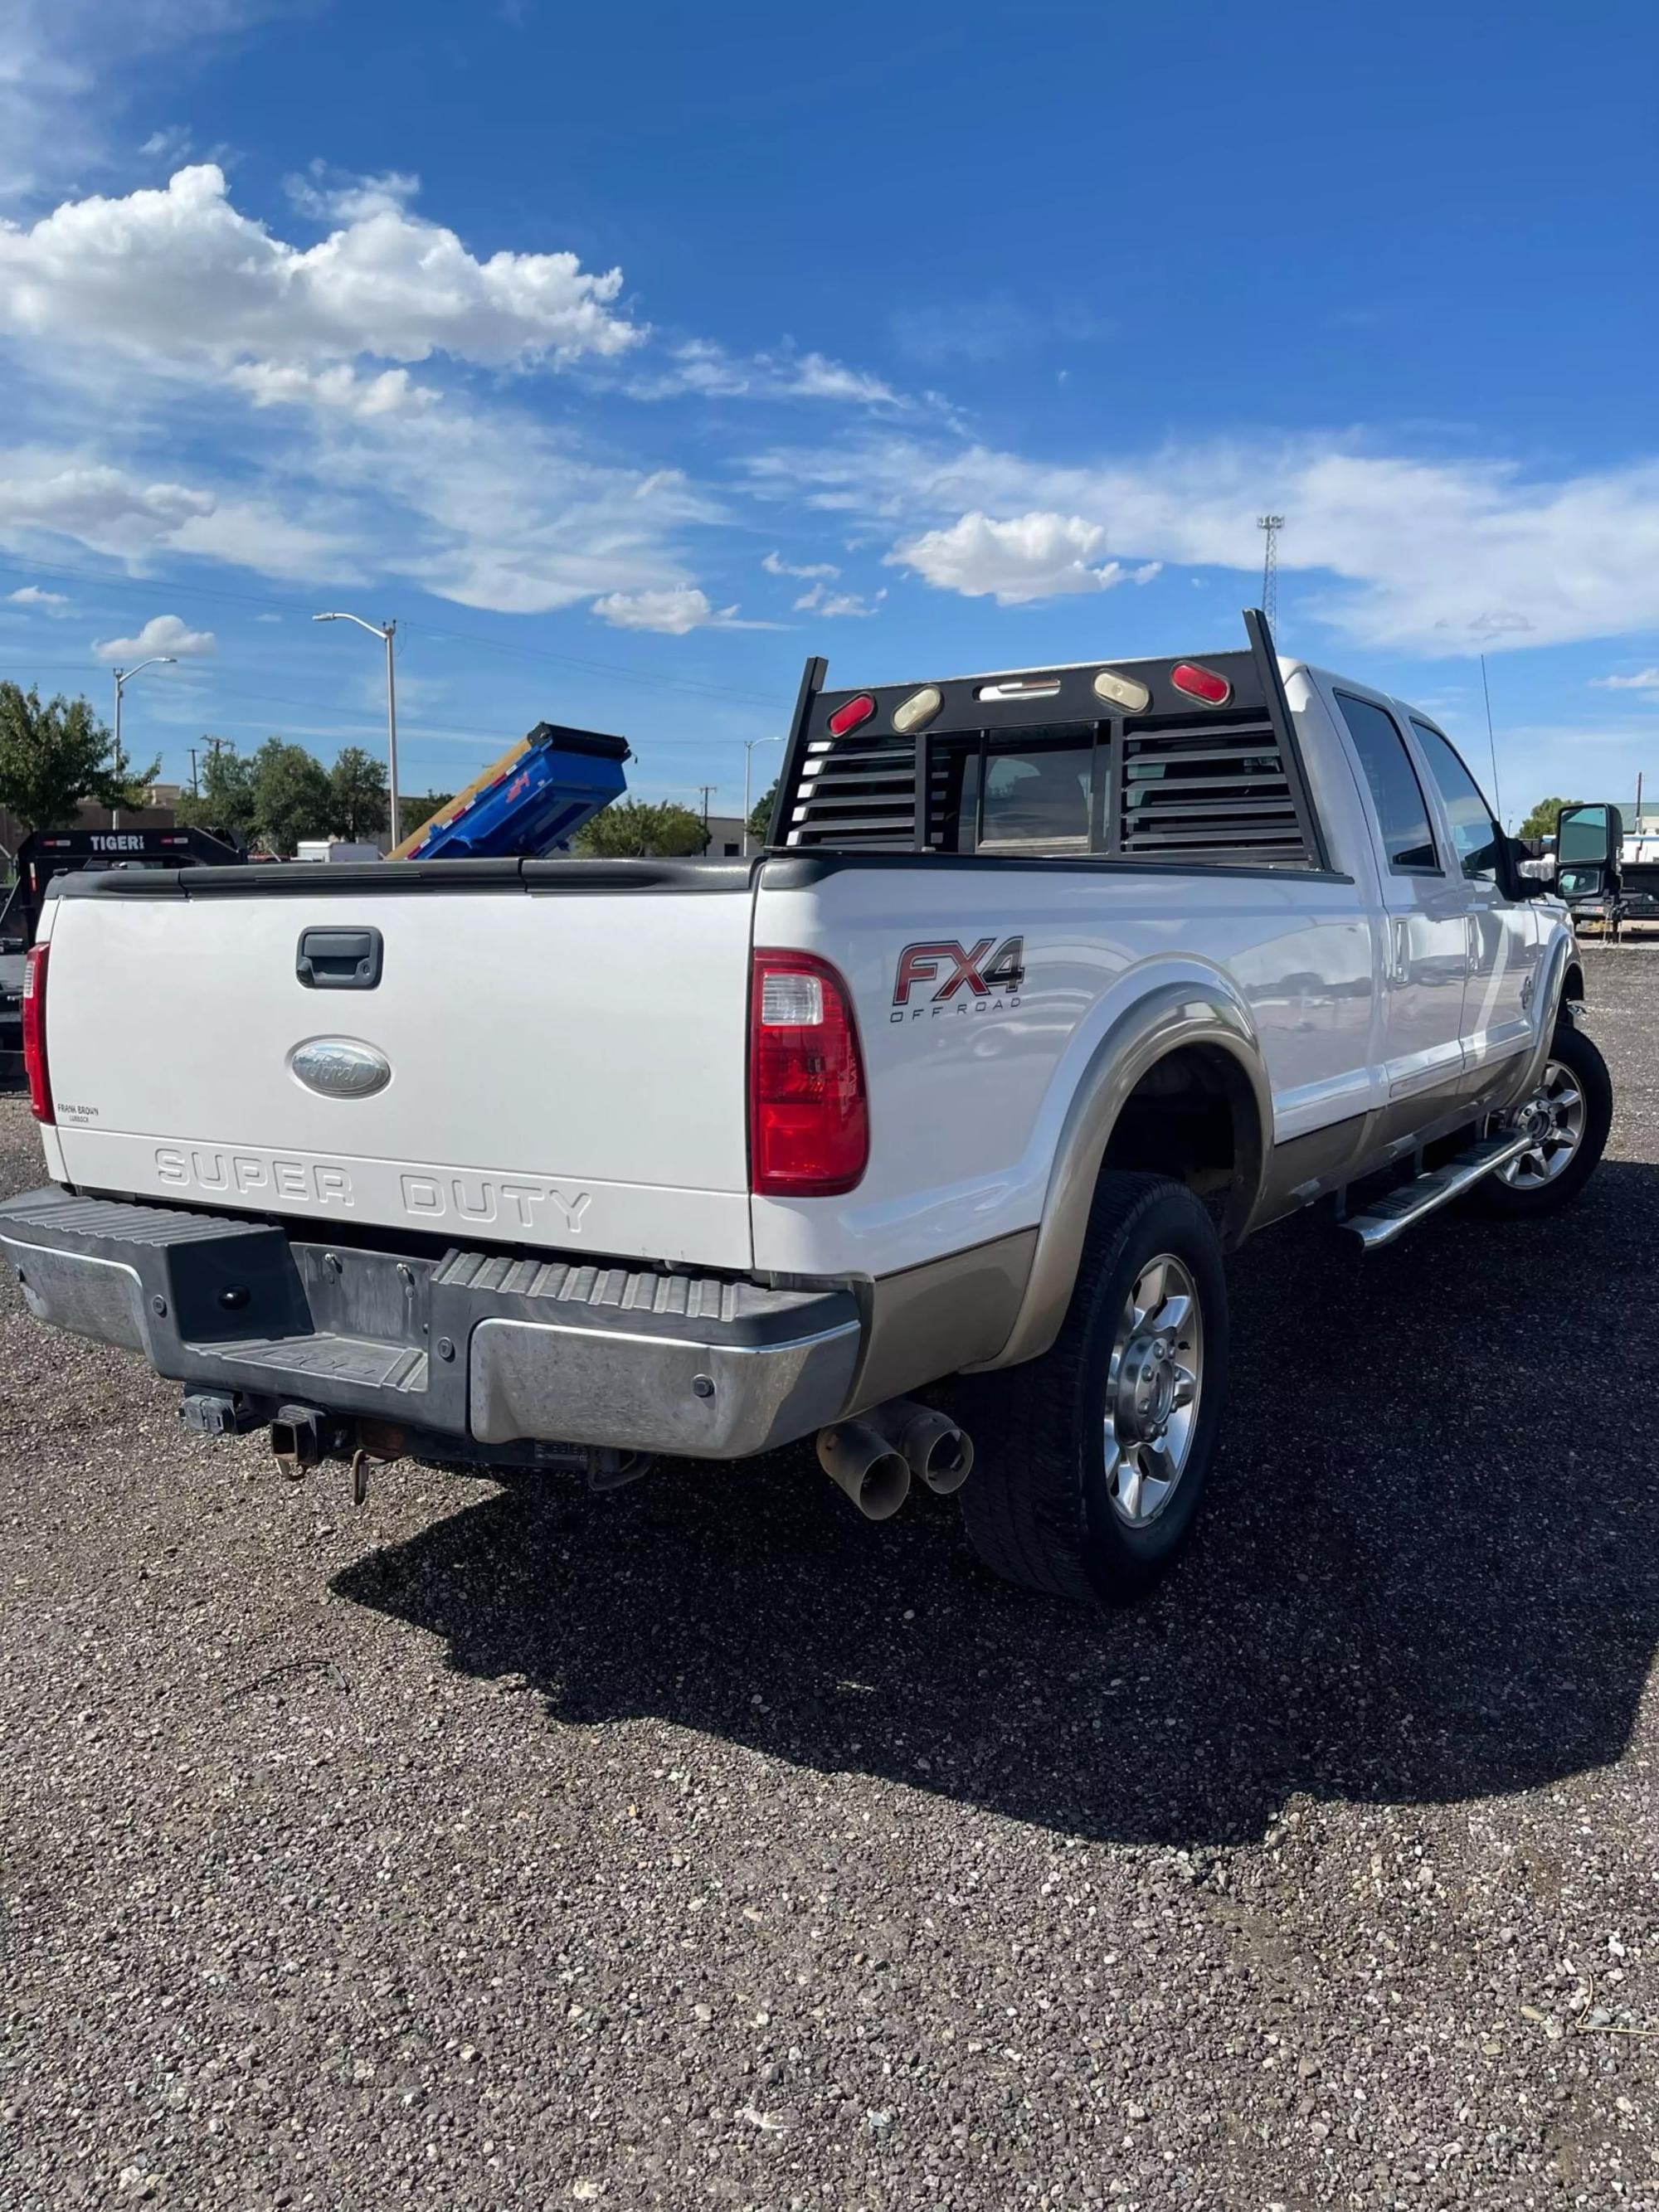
(548,1066)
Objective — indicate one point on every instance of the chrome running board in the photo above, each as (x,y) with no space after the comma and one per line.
(1389,1218)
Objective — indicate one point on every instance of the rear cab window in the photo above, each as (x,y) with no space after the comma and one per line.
(1402,812)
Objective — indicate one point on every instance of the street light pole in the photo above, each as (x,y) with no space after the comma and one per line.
(749,745)
(123,678)
(388,631)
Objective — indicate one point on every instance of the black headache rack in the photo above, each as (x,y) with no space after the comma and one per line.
(1193,762)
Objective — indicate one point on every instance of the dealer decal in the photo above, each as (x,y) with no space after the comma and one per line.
(939,976)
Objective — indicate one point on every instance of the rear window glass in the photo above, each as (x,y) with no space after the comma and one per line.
(1034,793)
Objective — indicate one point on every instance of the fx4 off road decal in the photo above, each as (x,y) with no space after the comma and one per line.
(943,977)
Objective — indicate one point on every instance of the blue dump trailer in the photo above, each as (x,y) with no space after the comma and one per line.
(532,800)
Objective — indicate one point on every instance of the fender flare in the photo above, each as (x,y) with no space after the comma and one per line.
(1551,995)
(1167,1018)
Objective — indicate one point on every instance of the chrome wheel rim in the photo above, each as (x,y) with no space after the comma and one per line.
(1554,1118)
(1153,1386)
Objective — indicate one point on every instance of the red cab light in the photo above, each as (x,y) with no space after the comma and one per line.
(809,1120)
(851,714)
(1200,683)
(34,1033)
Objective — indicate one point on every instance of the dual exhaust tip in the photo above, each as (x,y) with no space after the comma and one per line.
(874,1458)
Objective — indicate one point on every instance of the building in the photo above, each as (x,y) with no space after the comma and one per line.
(724,835)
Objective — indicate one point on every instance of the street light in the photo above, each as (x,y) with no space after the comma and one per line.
(387,631)
(749,745)
(123,678)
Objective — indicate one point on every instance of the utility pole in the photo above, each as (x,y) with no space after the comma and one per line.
(195,780)
(1272,524)
(387,631)
(123,678)
(705,788)
(749,745)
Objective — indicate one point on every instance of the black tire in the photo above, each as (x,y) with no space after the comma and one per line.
(1037,1506)
(1575,1052)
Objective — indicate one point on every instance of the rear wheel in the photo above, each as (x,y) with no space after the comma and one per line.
(1567,1117)
(1090,1461)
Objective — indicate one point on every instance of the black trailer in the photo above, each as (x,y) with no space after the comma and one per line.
(45,853)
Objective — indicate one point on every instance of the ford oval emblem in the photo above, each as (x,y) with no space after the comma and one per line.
(340,1068)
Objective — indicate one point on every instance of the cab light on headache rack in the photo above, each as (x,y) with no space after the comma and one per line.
(809,1122)
(1200,683)
(918,710)
(1125,691)
(851,714)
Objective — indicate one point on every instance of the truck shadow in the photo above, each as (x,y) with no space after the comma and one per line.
(1428,1569)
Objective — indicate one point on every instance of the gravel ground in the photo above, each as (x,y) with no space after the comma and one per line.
(703,1843)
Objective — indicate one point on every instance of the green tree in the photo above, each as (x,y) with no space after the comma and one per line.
(361,796)
(417,808)
(55,755)
(760,818)
(292,796)
(226,798)
(633,828)
(1541,821)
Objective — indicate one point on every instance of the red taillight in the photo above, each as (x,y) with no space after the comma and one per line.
(34,1032)
(849,716)
(809,1126)
(1200,683)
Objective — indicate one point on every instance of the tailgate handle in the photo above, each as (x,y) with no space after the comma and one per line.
(339,959)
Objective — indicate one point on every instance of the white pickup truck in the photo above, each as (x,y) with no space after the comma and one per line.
(1047,989)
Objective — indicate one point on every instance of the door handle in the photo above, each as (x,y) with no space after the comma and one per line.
(339,959)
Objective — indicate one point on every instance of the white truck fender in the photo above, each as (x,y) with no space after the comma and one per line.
(1166,1018)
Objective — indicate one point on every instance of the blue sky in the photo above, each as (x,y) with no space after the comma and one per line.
(627,356)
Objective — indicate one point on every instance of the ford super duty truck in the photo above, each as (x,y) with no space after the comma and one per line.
(1047,989)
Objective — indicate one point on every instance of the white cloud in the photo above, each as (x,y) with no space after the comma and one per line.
(1029,556)
(776,565)
(1645,679)
(268,619)
(1439,557)
(161,633)
(702,369)
(169,144)
(272,384)
(831,605)
(104,508)
(675,611)
(69,70)
(329,195)
(33,596)
(181,279)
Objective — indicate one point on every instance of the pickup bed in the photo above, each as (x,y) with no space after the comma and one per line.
(1050,987)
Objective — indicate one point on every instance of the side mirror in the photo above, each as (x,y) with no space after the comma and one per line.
(1588,836)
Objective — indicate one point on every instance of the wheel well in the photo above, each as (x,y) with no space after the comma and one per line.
(1192,1116)
(1574,986)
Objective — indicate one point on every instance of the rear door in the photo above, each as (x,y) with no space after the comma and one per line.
(1503,933)
(1426,906)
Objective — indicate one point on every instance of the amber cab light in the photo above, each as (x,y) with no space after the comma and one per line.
(809,1120)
